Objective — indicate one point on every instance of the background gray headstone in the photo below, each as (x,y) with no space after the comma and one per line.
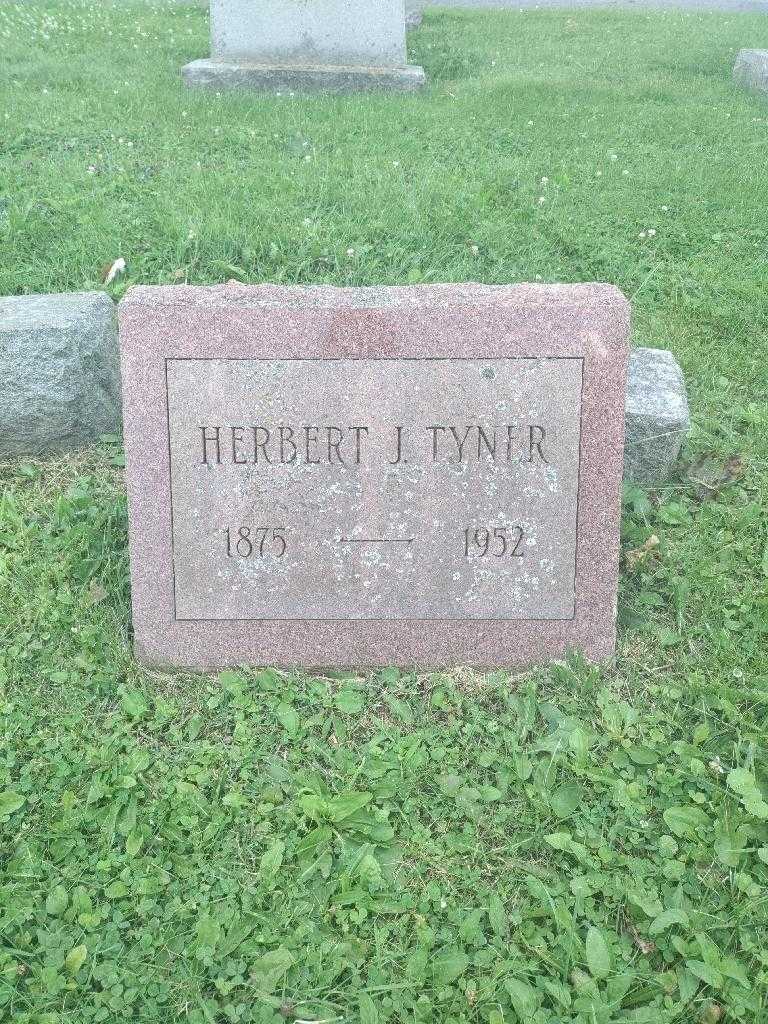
(59,368)
(338,46)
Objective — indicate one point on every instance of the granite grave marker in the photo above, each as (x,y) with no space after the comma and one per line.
(421,476)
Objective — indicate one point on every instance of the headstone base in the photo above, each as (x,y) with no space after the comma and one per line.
(216,73)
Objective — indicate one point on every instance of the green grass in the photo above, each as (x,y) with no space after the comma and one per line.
(567,846)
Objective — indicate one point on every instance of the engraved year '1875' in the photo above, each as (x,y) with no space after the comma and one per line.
(259,542)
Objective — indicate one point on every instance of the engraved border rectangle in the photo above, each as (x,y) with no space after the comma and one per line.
(329,359)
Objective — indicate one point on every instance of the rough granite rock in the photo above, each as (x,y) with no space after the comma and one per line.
(60,373)
(751,69)
(657,417)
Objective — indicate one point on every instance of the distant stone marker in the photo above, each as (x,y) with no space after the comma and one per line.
(306,45)
(348,477)
(751,70)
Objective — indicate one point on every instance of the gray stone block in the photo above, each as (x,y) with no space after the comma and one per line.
(60,372)
(215,73)
(657,418)
(751,69)
(337,32)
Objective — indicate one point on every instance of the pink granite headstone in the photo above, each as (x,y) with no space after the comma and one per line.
(421,476)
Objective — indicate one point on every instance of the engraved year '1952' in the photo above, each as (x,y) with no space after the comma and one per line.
(496,541)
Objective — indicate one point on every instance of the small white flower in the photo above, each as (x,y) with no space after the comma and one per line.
(350,252)
(651,232)
(641,235)
(665,209)
(395,163)
(541,200)
(307,222)
(545,181)
(599,174)
(474,249)
(539,277)
(716,767)
(614,157)
(530,123)
(91,169)
(625,172)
